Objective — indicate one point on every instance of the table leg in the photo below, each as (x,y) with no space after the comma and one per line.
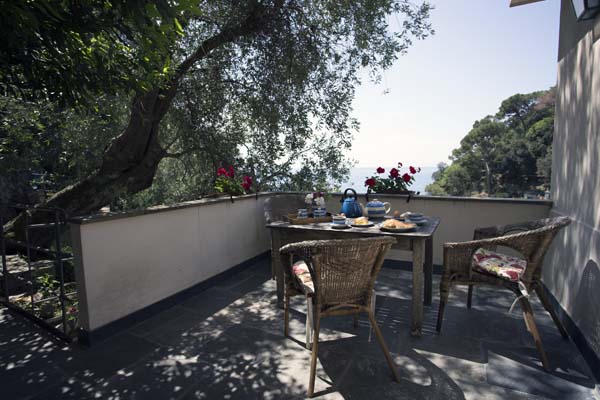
(428,271)
(276,264)
(418,248)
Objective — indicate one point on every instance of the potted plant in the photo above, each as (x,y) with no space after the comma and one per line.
(228,183)
(396,182)
(316,201)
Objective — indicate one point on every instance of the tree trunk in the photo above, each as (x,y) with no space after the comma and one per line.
(130,162)
(128,165)
(488,178)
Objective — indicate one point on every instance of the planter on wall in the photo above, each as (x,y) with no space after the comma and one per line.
(408,193)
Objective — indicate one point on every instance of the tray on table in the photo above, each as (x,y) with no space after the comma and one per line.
(294,220)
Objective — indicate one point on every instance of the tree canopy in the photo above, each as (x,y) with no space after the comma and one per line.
(175,89)
(503,155)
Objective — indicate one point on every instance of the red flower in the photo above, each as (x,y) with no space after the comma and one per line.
(412,170)
(406,178)
(247,182)
(380,170)
(394,173)
(370,182)
(230,173)
(222,172)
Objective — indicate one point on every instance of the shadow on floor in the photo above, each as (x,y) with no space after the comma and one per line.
(228,342)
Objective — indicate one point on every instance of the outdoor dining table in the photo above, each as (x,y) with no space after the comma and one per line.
(419,242)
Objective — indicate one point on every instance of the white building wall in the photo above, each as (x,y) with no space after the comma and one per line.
(572,270)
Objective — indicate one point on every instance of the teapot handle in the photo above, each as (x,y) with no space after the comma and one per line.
(387,206)
(344,196)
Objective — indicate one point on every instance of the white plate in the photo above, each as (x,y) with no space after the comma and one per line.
(339,226)
(370,224)
(392,230)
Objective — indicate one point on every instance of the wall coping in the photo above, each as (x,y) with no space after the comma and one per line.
(461,198)
(103,217)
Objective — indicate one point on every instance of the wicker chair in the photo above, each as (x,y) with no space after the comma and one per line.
(531,240)
(341,282)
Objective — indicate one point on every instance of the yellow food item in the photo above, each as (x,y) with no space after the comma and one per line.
(361,221)
(395,224)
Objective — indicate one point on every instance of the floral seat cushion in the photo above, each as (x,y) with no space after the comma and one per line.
(501,265)
(302,273)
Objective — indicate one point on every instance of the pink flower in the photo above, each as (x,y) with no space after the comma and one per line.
(394,173)
(380,170)
(247,183)
(222,172)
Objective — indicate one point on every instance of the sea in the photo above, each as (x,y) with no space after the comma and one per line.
(358,175)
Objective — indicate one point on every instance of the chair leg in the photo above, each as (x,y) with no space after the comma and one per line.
(373,302)
(532,328)
(546,303)
(309,323)
(286,315)
(313,360)
(444,292)
(470,296)
(384,348)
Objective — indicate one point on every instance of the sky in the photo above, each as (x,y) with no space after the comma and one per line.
(482,52)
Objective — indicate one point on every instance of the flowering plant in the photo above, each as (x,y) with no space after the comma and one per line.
(395,182)
(227,182)
(316,198)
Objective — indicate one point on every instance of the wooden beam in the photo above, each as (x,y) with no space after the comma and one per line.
(516,3)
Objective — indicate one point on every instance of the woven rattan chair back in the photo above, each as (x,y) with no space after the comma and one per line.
(345,271)
(531,240)
(343,274)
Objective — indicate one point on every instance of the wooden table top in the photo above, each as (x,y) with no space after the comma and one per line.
(423,231)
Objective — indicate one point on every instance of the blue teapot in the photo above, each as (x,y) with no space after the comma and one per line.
(376,209)
(350,206)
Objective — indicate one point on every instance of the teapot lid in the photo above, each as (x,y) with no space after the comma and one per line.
(374,202)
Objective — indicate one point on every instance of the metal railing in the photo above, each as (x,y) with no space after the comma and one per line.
(45,291)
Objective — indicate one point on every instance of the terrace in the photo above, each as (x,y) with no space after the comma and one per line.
(158,338)
(177,302)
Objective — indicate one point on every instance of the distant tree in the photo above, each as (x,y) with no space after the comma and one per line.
(478,151)
(506,154)
(435,188)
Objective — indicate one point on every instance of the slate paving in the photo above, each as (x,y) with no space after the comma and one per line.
(227,343)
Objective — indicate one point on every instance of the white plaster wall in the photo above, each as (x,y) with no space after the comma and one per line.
(571,272)
(126,264)
(459,216)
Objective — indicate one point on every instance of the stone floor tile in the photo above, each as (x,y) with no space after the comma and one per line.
(71,389)
(159,320)
(228,342)
(479,391)
(97,364)
(209,302)
(520,371)
(167,375)
(25,381)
